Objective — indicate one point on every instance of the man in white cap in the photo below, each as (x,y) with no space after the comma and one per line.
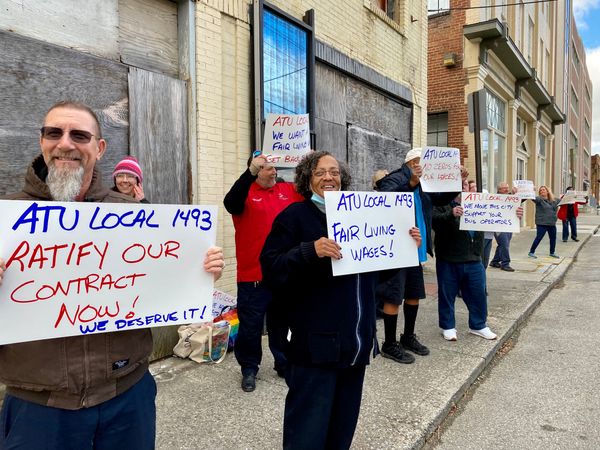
(408,286)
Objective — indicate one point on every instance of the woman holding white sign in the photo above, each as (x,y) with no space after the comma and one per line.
(545,220)
(332,319)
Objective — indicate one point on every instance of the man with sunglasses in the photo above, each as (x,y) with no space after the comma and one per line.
(84,392)
(254,201)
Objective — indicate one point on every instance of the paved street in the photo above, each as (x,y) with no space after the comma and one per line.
(544,392)
(202,406)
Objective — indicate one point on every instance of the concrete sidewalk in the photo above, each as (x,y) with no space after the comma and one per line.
(202,406)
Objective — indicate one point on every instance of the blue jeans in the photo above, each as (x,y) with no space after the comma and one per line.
(470,279)
(502,255)
(253,303)
(322,407)
(541,231)
(126,421)
(572,221)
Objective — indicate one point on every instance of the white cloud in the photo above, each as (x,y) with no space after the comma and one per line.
(580,10)
(592,57)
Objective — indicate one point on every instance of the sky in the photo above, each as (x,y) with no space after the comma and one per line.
(587,16)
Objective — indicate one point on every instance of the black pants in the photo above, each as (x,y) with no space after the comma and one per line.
(253,302)
(321,407)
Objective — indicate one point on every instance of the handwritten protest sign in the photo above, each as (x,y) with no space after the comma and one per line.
(222,302)
(372,229)
(490,212)
(441,169)
(79,268)
(571,197)
(286,139)
(525,189)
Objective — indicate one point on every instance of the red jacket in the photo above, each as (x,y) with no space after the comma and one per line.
(562,211)
(253,210)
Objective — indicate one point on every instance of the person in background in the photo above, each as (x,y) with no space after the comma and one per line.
(458,266)
(128,177)
(501,258)
(80,392)
(546,207)
(254,201)
(568,215)
(407,287)
(331,319)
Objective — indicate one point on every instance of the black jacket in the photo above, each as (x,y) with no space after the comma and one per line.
(399,181)
(332,319)
(452,244)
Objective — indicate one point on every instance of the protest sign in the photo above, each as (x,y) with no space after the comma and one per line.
(441,169)
(372,229)
(286,139)
(222,302)
(571,197)
(490,212)
(79,268)
(525,189)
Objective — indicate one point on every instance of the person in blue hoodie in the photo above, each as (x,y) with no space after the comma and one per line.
(331,319)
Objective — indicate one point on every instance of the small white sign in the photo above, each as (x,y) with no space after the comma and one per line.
(373,230)
(525,189)
(490,212)
(441,169)
(80,268)
(286,139)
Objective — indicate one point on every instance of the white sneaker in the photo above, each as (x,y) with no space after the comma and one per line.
(449,335)
(485,333)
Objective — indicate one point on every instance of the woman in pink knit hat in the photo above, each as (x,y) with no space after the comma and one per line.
(128,179)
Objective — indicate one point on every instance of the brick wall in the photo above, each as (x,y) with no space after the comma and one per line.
(446,85)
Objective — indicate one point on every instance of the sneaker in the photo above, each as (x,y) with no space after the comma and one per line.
(396,352)
(249,382)
(495,264)
(485,333)
(449,335)
(554,255)
(410,342)
(507,269)
(575,239)
(531,255)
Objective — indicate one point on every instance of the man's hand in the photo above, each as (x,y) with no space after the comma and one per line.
(417,170)
(464,173)
(214,262)
(138,192)
(415,233)
(328,248)
(2,269)
(520,212)
(457,211)
(256,164)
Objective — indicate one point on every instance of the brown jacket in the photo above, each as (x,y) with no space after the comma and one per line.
(80,371)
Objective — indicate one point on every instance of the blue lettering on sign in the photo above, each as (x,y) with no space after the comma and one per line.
(380,230)
(372,252)
(430,153)
(348,201)
(147,320)
(30,216)
(195,217)
(110,220)
(404,199)
(345,234)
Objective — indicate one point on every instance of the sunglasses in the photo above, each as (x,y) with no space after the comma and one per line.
(77,136)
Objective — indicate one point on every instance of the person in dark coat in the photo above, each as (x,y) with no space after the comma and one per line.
(331,319)
(408,285)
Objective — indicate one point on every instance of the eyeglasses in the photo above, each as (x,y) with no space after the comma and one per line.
(55,133)
(320,173)
(125,176)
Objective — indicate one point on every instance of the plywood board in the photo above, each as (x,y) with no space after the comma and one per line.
(33,76)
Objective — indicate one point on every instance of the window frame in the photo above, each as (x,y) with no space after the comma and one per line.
(438,131)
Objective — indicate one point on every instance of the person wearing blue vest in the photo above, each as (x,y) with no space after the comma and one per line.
(408,285)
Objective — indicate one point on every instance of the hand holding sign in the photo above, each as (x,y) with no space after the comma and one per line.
(214,262)
(328,248)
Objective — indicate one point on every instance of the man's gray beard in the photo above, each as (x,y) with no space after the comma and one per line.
(64,184)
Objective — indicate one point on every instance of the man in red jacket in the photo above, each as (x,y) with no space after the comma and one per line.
(568,214)
(254,201)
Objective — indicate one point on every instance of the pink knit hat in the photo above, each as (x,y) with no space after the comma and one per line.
(128,165)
